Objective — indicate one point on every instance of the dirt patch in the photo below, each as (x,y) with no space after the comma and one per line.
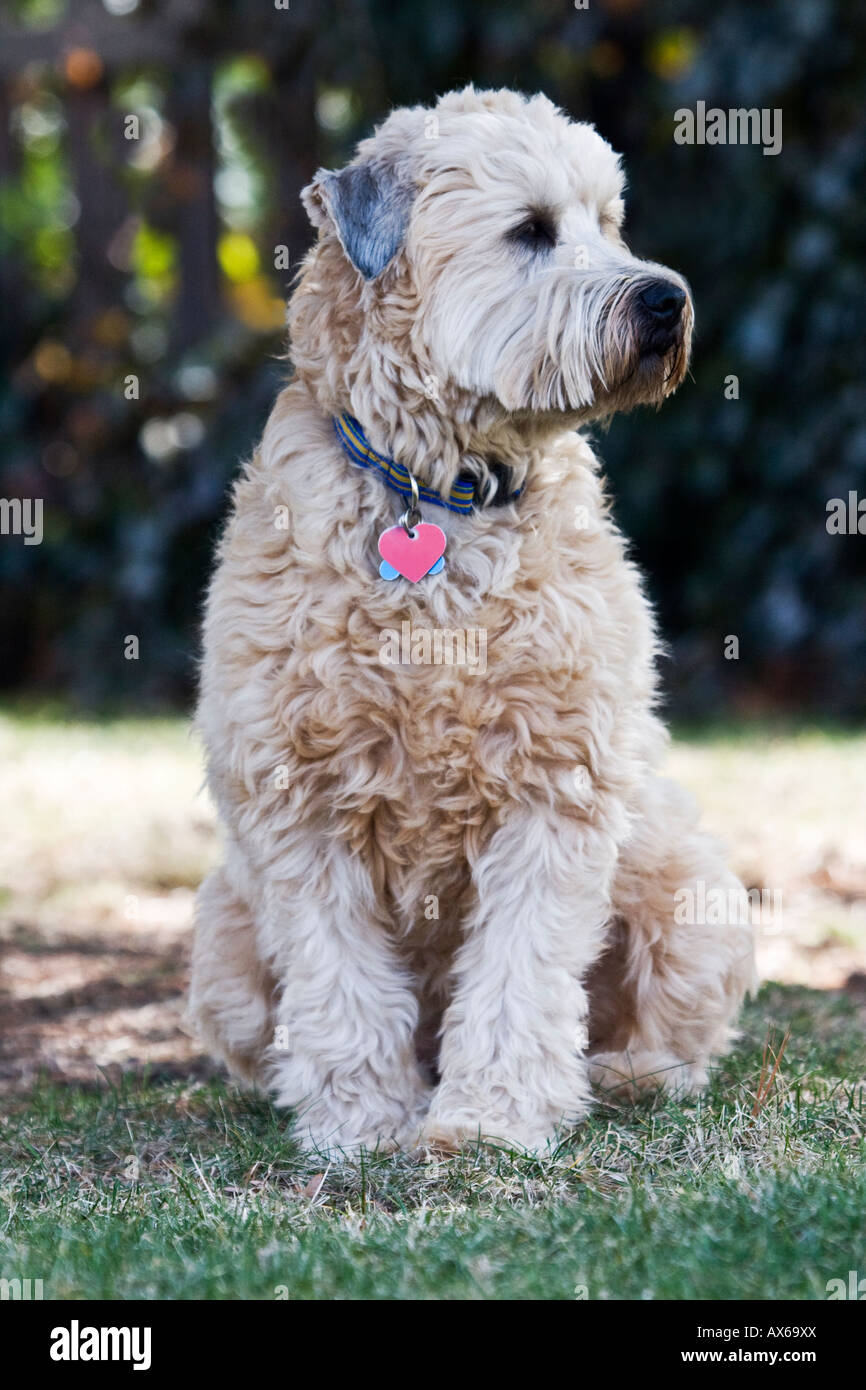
(83,1008)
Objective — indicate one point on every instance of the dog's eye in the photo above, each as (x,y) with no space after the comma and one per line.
(536,232)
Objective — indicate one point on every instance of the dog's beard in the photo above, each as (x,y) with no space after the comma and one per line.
(588,353)
(639,376)
(640,367)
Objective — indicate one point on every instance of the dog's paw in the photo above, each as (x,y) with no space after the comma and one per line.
(322,1130)
(628,1075)
(342,1142)
(449,1137)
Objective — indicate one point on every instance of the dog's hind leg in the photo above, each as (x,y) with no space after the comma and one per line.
(665,994)
(230,989)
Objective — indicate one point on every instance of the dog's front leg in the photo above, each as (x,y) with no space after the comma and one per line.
(343,1054)
(512,1056)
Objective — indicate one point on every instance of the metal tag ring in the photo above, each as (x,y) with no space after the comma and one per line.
(410,519)
(412,515)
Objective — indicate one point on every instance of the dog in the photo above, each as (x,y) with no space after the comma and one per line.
(446,906)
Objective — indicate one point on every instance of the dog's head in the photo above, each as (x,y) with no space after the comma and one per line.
(471,257)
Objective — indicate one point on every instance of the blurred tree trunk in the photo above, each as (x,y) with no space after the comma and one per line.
(10,168)
(191,180)
(96,154)
(289,141)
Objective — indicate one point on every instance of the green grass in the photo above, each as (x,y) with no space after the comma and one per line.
(196,1191)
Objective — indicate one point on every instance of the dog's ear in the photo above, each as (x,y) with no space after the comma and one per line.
(368,205)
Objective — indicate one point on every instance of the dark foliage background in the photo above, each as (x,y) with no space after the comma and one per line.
(155,257)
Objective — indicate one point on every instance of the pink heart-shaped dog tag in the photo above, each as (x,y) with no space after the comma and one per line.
(412,554)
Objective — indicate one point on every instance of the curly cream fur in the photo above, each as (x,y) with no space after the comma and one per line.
(523,801)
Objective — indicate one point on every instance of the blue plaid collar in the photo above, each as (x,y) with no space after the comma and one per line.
(462,498)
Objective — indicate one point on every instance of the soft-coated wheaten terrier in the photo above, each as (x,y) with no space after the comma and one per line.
(447,899)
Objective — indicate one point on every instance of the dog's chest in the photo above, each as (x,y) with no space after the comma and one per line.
(420,736)
(410,721)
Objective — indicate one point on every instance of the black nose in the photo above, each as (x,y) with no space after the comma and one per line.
(664,302)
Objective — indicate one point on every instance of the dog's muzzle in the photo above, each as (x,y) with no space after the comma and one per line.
(659,313)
